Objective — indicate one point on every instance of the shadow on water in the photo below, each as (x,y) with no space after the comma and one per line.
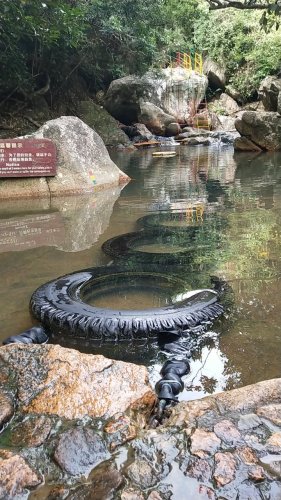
(227,210)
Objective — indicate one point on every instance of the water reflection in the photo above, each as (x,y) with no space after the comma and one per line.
(242,190)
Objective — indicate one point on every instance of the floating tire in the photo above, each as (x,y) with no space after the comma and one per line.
(145,246)
(60,307)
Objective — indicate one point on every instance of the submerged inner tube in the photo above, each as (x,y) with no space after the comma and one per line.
(151,246)
(59,306)
(180,222)
(173,221)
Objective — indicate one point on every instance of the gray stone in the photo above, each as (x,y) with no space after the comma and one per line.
(249,421)
(234,93)
(245,144)
(131,494)
(142,132)
(227,431)
(262,128)
(225,104)
(104,482)
(102,122)
(274,442)
(226,123)
(46,385)
(32,431)
(256,473)
(215,73)
(204,442)
(247,491)
(171,89)
(200,469)
(247,455)
(15,476)
(269,91)
(154,118)
(197,141)
(6,408)
(82,156)
(172,129)
(80,450)
(225,468)
(142,474)
(271,412)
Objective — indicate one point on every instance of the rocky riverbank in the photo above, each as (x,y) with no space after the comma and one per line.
(75,426)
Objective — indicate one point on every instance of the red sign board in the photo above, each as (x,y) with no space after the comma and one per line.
(27,158)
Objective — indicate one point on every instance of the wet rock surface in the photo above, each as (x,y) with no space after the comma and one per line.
(79,450)
(15,476)
(221,447)
(57,381)
(6,408)
(226,446)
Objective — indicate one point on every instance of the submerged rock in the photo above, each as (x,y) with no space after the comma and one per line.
(104,482)
(15,476)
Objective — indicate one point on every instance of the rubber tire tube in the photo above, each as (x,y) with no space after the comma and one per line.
(123,247)
(58,305)
(161,219)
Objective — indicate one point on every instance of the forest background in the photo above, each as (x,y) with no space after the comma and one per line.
(44,43)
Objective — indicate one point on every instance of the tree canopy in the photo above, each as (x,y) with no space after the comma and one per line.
(271,9)
(50,40)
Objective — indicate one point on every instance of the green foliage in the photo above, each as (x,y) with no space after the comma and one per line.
(31,32)
(235,40)
(104,40)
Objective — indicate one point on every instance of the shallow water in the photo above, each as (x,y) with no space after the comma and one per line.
(233,200)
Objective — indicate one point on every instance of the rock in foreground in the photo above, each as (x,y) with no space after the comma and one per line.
(226,446)
(49,379)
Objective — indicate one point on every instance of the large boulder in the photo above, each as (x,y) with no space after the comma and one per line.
(175,90)
(216,74)
(43,383)
(225,105)
(84,165)
(103,123)
(154,118)
(262,128)
(269,91)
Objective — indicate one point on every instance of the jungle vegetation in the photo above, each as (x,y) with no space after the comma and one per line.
(43,42)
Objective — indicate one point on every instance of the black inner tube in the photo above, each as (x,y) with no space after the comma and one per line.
(60,307)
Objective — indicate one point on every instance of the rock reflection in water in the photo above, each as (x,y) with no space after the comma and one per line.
(71,224)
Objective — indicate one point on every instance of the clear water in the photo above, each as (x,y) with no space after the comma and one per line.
(239,200)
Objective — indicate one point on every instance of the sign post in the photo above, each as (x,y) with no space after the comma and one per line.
(27,158)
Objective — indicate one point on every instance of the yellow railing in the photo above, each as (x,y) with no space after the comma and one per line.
(186,61)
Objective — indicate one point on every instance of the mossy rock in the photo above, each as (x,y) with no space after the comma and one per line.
(102,122)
